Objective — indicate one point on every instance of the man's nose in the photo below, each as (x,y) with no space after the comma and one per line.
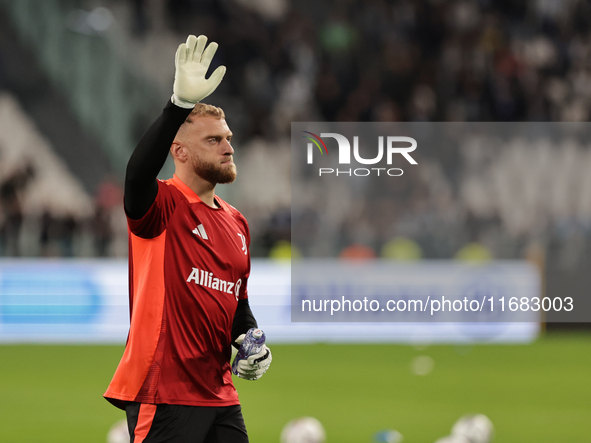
(227,147)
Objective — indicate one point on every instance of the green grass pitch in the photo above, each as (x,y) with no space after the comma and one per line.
(537,392)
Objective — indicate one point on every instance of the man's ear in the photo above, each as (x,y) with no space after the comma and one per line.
(179,152)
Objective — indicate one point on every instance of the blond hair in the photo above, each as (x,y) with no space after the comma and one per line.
(205,110)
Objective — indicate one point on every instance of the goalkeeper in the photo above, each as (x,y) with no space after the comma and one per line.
(188,267)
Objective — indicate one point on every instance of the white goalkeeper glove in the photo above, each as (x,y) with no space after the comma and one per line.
(192,60)
(253,367)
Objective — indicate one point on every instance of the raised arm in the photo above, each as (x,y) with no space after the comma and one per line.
(148,158)
(192,60)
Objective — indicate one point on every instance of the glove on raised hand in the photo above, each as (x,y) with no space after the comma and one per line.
(192,60)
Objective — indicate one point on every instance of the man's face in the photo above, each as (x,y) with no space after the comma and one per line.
(210,151)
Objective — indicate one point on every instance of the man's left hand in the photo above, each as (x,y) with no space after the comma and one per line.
(253,367)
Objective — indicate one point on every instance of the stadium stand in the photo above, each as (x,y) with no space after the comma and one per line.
(368,61)
(36,188)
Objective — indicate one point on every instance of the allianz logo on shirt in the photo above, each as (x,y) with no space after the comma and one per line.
(206,278)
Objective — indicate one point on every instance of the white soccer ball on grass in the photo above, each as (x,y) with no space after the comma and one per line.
(476,428)
(452,439)
(118,433)
(303,430)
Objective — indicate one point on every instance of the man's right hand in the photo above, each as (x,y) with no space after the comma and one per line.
(192,60)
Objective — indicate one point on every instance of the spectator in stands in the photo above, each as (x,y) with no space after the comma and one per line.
(11,207)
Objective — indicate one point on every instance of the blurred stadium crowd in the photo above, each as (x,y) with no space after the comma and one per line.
(372,60)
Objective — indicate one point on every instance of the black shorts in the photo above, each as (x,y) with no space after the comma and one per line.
(185,424)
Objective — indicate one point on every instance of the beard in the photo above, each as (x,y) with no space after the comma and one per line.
(214,173)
